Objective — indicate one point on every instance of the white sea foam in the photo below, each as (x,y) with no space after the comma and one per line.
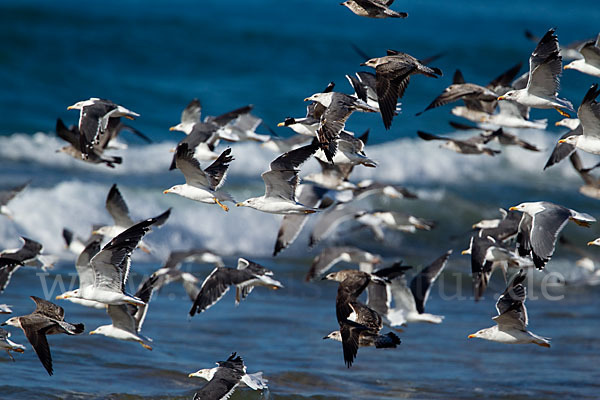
(42,211)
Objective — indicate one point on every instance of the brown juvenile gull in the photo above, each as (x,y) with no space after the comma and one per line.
(373,8)
(359,324)
(202,185)
(330,256)
(512,318)
(280,184)
(468,92)
(499,135)
(540,225)
(47,319)
(545,67)
(392,73)
(111,267)
(247,275)
(224,378)
(7,195)
(472,145)
(338,108)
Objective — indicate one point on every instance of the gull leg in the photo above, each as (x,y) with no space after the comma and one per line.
(580,222)
(144,345)
(543,344)
(561,112)
(223,206)
(10,355)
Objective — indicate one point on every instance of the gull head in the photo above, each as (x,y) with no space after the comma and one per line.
(246,203)
(321,98)
(174,189)
(72,293)
(179,127)
(77,106)
(571,123)
(202,373)
(14,321)
(335,335)
(595,242)
(101,330)
(287,122)
(572,140)
(373,62)
(487,333)
(520,207)
(103,230)
(510,95)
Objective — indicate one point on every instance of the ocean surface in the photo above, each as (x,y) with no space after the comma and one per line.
(155,56)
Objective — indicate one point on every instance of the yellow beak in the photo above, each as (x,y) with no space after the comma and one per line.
(501,98)
(281,124)
(92,332)
(70,108)
(591,243)
(557,123)
(471,336)
(191,375)
(61,297)
(562,141)
(172,128)
(166,191)
(307,99)
(239,204)
(464,252)
(513,209)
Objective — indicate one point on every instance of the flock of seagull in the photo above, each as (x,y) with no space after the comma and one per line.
(525,237)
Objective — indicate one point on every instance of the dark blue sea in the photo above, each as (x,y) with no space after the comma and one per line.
(153,57)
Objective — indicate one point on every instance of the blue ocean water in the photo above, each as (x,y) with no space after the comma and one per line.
(154,57)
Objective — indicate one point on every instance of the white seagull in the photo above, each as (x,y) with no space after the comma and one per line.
(590,63)
(589,120)
(512,318)
(280,184)
(202,185)
(111,267)
(545,67)
(540,225)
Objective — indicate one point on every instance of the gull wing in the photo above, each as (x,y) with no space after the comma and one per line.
(545,67)
(82,265)
(591,52)
(190,167)
(217,171)
(117,208)
(111,264)
(589,113)
(421,284)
